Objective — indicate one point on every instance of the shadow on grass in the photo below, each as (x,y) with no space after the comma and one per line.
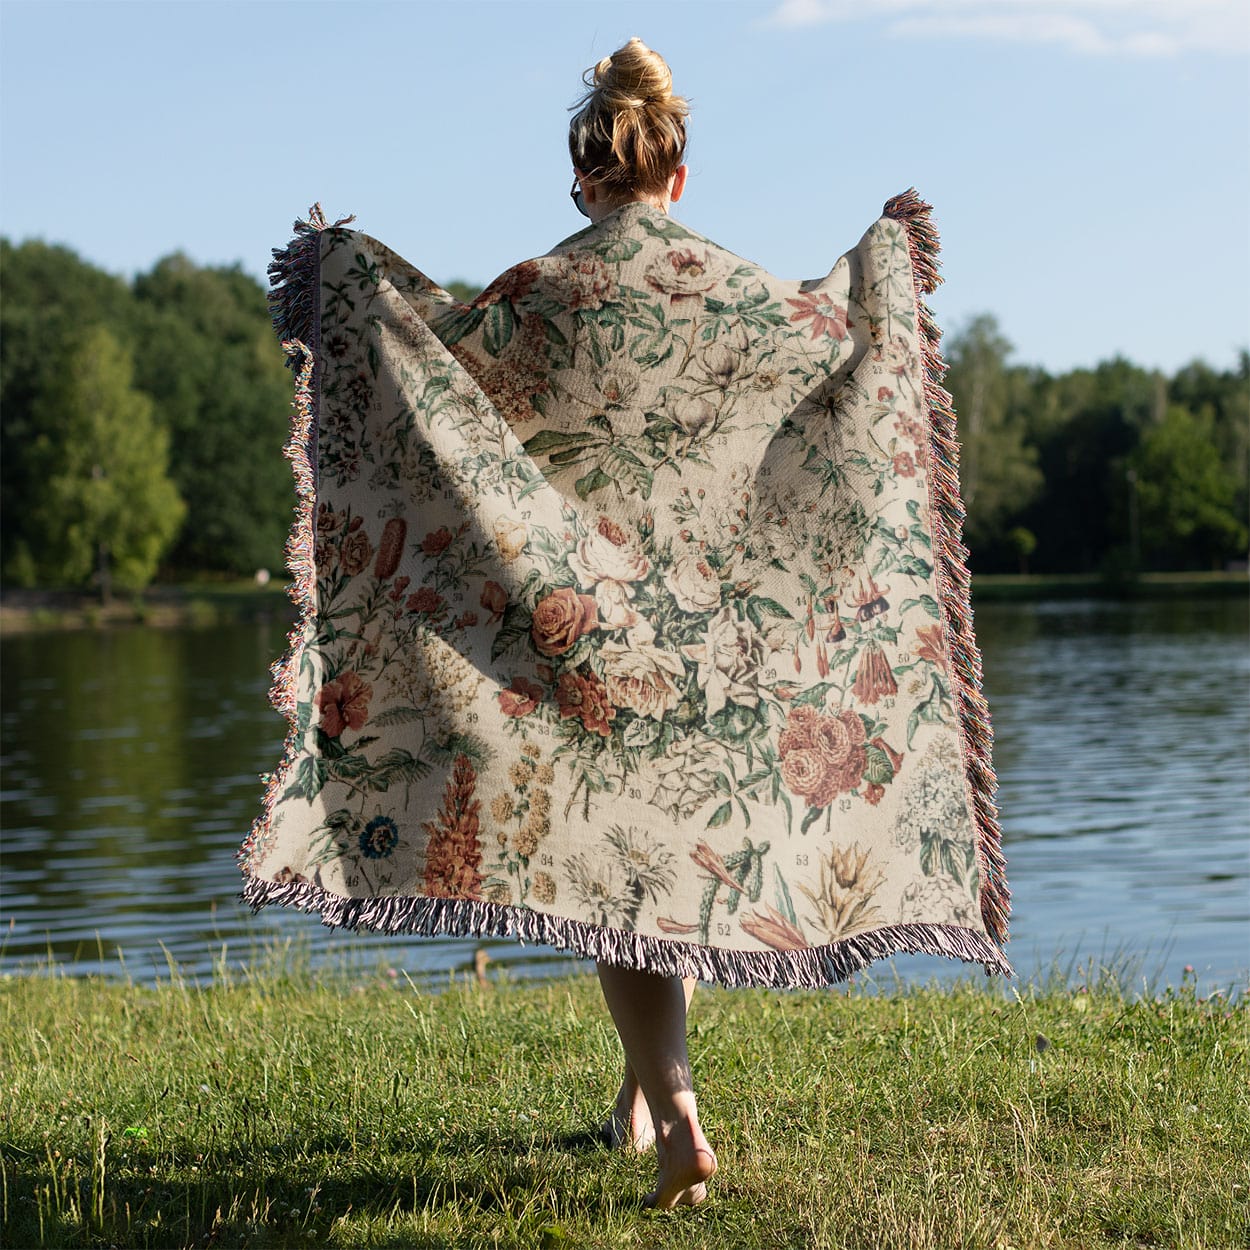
(264,1197)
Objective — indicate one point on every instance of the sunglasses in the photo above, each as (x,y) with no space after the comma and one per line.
(576,196)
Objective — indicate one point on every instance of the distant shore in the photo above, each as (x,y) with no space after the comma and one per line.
(175,605)
(203,604)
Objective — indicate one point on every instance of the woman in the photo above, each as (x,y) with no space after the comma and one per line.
(635,614)
(628,141)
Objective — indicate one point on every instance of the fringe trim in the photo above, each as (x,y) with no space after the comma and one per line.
(811,968)
(294,302)
(951,557)
(295,305)
(294,294)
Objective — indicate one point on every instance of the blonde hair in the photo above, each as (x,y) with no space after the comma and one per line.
(629,132)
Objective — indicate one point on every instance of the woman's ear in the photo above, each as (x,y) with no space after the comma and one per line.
(678,184)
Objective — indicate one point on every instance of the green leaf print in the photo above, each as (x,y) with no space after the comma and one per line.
(619,249)
(785,904)
(878,769)
(398,716)
(629,473)
(928,602)
(453,327)
(514,627)
(310,777)
(546,441)
(595,480)
(758,607)
(497,331)
(914,566)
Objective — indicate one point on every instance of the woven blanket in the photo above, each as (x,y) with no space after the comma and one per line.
(634,615)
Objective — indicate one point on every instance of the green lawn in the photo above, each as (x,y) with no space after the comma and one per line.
(293,1110)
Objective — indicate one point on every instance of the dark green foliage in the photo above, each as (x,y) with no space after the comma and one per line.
(1115,469)
(51,299)
(998,467)
(104,503)
(465,292)
(1076,473)
(1186,491)
(206,352)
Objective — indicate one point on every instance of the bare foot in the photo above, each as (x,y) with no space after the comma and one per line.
(686,1165)
(629,1126)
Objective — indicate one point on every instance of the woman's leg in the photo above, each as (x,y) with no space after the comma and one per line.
(650,1015)
(629,1124)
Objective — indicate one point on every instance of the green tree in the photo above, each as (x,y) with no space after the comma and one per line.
(997,467)
(105,503)
(1222,397)
(1085,424)
(1185,495)
(208,357)
(51,297)
(465,292)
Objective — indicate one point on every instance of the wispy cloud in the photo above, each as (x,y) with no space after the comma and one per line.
(1138,28)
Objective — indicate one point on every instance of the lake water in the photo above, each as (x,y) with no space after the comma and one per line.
(130,774)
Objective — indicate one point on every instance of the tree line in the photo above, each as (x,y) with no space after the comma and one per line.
(142,424)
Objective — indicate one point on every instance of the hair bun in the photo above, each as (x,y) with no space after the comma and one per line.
(629,131)
(633,77)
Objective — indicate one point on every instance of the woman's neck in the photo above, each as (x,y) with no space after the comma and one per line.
(605,208)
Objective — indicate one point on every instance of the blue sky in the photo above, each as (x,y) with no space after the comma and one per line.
(1089,160)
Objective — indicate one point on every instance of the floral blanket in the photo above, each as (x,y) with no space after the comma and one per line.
(634,613)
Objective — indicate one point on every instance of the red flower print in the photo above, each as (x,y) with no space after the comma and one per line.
(561,619)
(344,703)
(390,548)
(869,601)
(874,677)
(773,929)
(437,542)
(513,285)
(328,521)
(800,722)
(585,697)
(904,466)
(709,861)
(810,775)
(821,756)
(521,698)
(425,600)
(453,853)
(669,925)
(356,552)
(826,316)
(932,646)
(884,394)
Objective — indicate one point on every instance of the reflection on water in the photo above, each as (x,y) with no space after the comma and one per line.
(130,762)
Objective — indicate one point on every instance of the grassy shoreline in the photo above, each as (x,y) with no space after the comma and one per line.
(286,1109)
(217,603)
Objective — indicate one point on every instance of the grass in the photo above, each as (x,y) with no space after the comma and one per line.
(292,1109)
